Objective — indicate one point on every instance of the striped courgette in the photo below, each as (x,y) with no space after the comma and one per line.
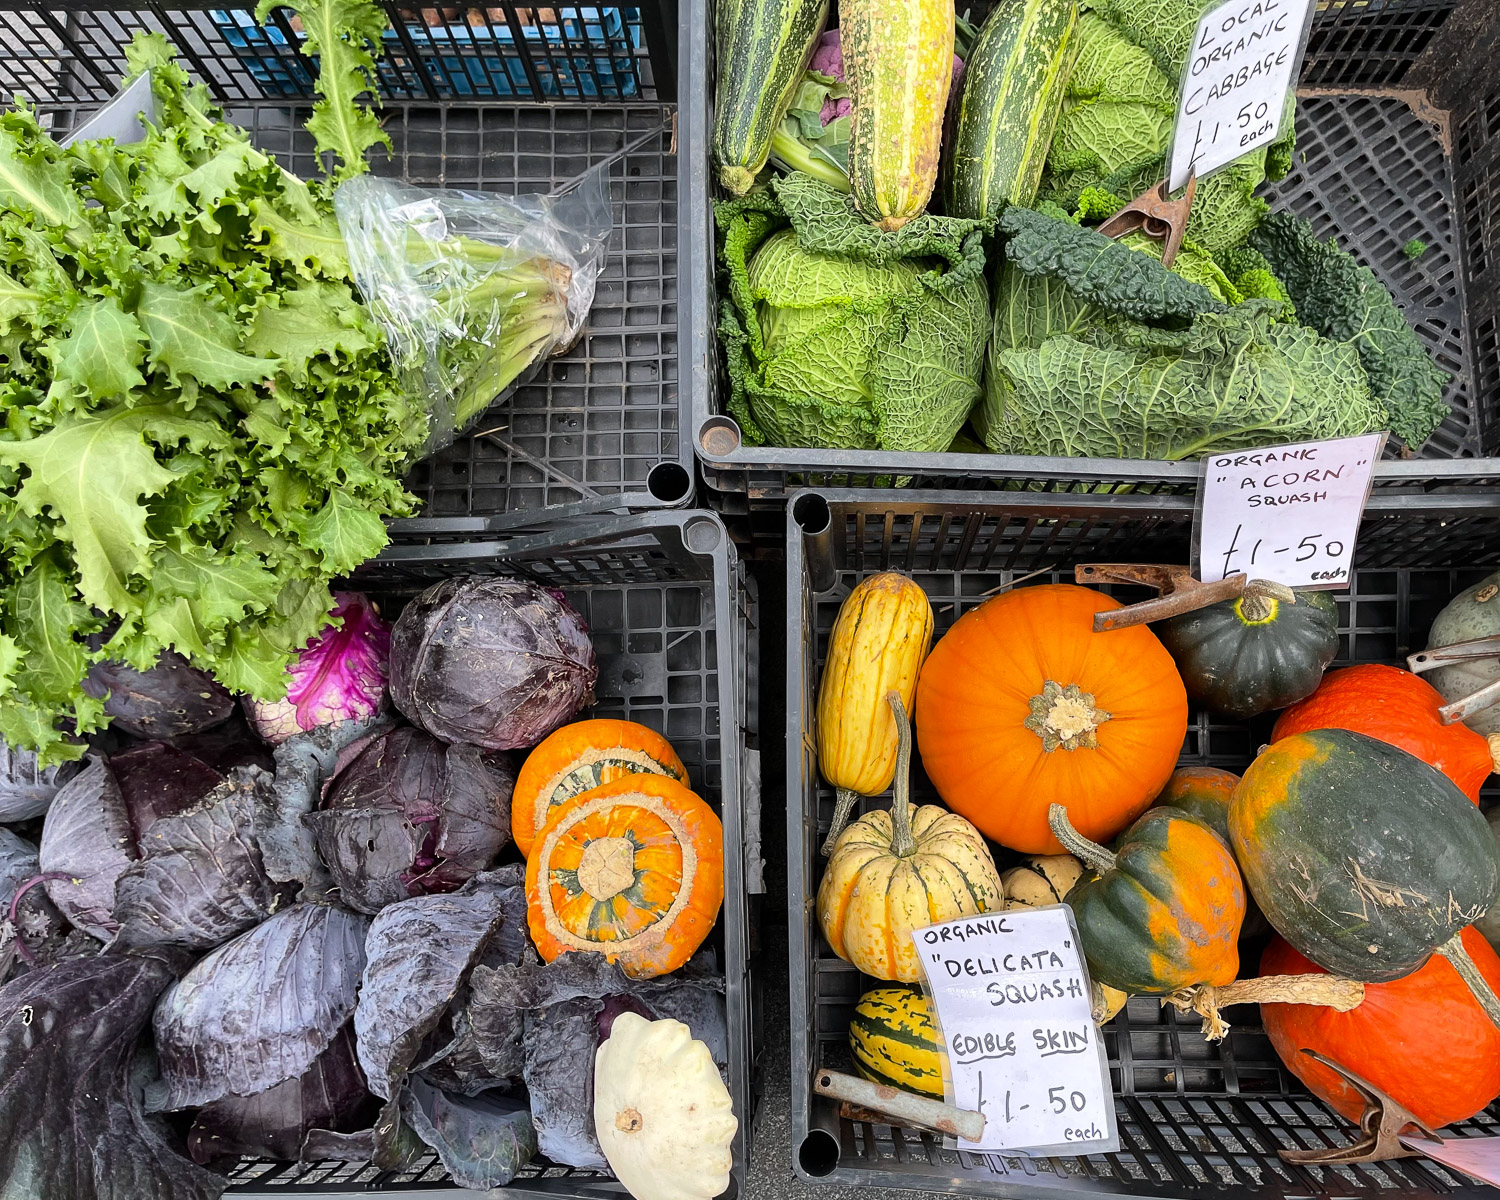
(764,48)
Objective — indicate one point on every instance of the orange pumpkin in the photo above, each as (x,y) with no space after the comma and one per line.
(1396,707)
(578,758)
(1422,1039)
(1022,705)
(633,869)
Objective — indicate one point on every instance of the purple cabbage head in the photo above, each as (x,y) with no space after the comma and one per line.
(338,676)
(171,699)
(412,815)
(491,661)
(94,828)
(25,788)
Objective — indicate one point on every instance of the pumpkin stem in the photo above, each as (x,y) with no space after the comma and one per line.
(1326,991)
(903,842)
(1453,950)
(843,809)
(1091,853)
(1260,597)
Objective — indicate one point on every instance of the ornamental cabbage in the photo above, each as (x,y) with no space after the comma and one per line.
(338,676)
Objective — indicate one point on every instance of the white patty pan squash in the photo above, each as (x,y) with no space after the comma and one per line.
(661,1112)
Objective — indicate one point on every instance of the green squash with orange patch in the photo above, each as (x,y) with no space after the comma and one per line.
(1163,911)
(1363,857)
(1203,791)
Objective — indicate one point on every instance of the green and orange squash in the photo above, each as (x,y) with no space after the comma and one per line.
(1163,911)
(1021,705)
(1363,857)
(1262,651)
(578,758)
(633,870)
(1203,791)
(1422,1039)
(1396,707)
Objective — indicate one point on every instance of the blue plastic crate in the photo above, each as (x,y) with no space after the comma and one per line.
(587,54)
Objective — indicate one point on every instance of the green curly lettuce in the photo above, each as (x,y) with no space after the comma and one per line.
(1345,301)
(839,335)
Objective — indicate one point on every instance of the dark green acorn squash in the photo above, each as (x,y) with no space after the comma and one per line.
(1256,653)
(1163,911)
(1363,857)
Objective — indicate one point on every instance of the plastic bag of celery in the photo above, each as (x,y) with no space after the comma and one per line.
(474,289)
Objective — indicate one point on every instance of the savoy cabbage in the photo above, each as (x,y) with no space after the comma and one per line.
(839,335)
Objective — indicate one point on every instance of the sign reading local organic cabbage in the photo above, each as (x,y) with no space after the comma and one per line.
(1011,995)
(1285,513)
(1243,61)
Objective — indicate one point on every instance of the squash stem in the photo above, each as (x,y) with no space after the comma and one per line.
(1326,991)
(1092,853)
(903,841)
(1453,950)
(1260,597)
(843,809)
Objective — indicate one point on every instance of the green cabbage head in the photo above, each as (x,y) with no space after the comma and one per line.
(840,336)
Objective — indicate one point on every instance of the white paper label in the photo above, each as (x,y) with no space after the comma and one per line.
(1011,994)
(1476,1156)
(121,117)
(1286,513)
(1235,82)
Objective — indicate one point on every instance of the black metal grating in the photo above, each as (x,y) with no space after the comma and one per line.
(1369,43)
(1195,1119)
(502,52)
(1374,175)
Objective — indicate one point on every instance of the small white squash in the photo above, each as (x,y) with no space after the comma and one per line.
(661,1112)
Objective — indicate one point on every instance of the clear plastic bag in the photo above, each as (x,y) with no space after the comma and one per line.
(474,290)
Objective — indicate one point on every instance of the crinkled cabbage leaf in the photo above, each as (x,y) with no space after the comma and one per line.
(483,1140)
(261,1008)
(71,1120)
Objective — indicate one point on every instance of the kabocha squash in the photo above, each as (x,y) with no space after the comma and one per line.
(1203,791)
(1013,87)
(1022,705)
(882,634)
(1259,652)
(1396,707)
(1472,614)
(1363,857)
(578,758)
(1047,879)
(1422,1039)
(633,869)
(662,1114)
(894,871)
(1164,912)
(893,1041)
(898,59)
(764,48)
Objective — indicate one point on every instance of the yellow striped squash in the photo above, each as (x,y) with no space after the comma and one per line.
(894,1041)
(882,634)
(898,59)
(894,871)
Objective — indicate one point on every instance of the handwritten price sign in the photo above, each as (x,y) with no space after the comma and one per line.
(1286,513)
(1011,994)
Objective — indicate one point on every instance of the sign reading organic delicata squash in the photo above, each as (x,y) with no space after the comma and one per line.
(1011,994)
(1239,69)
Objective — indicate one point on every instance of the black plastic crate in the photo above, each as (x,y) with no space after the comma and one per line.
(505,98)
(673,618)
(1398,137)
(1196,1119)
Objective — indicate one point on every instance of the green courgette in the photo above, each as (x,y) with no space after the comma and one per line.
(764,47)
(1013,92)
